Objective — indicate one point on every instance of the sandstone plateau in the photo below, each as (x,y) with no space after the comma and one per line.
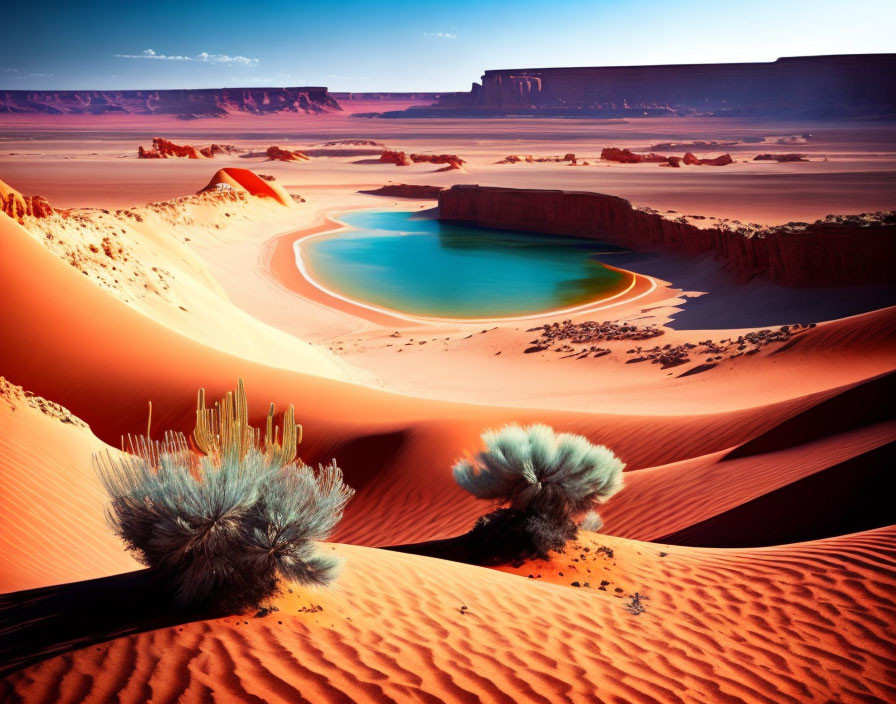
(852,250)
(814,87)
(186,103)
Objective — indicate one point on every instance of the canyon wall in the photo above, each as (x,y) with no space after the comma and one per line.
(847,251)
(187,103)
(811,87)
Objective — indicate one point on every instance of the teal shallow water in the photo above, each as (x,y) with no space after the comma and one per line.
(428,268)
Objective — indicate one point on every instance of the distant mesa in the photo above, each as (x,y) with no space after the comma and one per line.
(809,87)
(185,104)
(17,206)
(246,181)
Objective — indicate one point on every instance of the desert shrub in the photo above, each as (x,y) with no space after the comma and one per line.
(221,524)
(542,482)
(592,522)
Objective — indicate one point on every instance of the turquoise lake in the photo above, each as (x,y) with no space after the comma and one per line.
(429,268)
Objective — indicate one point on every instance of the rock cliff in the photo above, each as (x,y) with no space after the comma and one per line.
(186,104)
(807,87)
(839,250)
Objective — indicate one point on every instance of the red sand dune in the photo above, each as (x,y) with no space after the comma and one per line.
(250,182)
(799,623)
(646,623)
(126,360)
(51,529)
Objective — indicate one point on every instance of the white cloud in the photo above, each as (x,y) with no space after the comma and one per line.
(440,35)
(203,57)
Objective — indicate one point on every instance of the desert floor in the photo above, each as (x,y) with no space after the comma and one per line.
(750,557)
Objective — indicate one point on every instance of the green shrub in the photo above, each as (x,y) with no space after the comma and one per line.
(543,483)
(222,526)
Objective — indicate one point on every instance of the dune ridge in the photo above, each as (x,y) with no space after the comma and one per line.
(395,629)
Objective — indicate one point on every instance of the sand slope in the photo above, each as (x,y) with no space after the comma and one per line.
(52,528)
(792,624)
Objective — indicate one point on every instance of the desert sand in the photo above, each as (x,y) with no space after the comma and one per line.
(749,558)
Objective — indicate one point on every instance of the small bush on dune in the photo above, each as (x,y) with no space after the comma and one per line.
(221,525)
(542,481)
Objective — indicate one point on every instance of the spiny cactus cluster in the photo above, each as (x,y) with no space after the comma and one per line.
(222,521)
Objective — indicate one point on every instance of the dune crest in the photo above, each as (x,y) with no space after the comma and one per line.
(247,181)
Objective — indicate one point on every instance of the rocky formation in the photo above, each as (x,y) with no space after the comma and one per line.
(17,206)
(691,160)
(529,159)
(275,153)
(577,342)
(810,87)
(780,157)
(163,149)
(405,190)
(397,158)
(214,149)
(451,161)
(838,250)
(626,156)
(186,104)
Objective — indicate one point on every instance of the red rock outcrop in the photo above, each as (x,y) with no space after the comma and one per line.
(452,161)
(529,159)
(214,149)
(623,156)
(833,251)
(163,149)
(405,190)
(691,160)
(626,156)
(397,158)
(275,153)
(17,206)
(780,157)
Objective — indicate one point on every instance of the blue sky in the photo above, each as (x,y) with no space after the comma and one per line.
(404,46)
